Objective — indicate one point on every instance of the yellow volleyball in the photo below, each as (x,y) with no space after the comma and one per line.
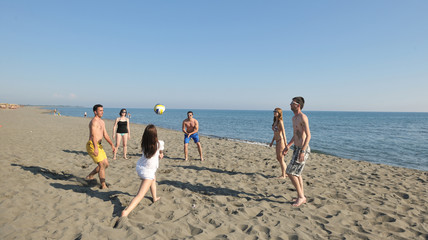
(159,109)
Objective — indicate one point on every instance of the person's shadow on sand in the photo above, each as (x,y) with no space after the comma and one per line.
(171,158)
(83,186)
(76,152)
(111,196)
(216,170)
(208,190)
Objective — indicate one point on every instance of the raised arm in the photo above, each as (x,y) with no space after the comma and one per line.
(161,147)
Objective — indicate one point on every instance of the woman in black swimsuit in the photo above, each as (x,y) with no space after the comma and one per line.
(280,139)
(121,131)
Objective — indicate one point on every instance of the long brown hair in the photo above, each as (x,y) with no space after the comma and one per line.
(149,141)
(279,110)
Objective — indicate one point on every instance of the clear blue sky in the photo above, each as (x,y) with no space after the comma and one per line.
(360,55)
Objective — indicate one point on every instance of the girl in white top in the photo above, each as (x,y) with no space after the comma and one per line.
(147,166)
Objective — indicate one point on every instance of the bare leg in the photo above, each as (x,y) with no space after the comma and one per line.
(185,151)
(92,174)
(118,137)
(153,191)
(298,184)
(125,142)
(301,185)
(144,187)
(200,150)
(102,173)
(279,147)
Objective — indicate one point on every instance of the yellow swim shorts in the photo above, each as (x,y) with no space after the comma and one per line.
(101,153)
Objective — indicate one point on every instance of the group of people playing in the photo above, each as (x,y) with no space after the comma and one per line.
(152,149)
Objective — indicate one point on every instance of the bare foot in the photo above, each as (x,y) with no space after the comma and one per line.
(125,157)
(299,202)
(186,159)
(281,177)
(124,213)
(103,186)
(89,177)
(156,199)
(202,159)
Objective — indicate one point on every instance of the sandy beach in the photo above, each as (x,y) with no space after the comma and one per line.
(231,195)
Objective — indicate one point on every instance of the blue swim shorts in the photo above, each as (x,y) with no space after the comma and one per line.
(194,136)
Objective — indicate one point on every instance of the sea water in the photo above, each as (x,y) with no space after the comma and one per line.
(398,139)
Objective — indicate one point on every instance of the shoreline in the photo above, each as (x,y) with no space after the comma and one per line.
(215,109)
(233,194)
(343,155)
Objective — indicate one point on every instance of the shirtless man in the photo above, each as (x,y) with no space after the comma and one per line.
(190,128)
(97,130)
(301,138)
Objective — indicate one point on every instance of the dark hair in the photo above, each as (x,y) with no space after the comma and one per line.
(300,101)
(121,110)
(96,106)
(189,112)
(149,141)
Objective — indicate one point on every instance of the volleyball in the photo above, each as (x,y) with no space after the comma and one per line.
(159,109)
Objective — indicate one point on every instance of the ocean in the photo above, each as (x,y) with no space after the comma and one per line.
(397,139)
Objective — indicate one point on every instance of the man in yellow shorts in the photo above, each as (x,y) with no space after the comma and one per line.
(97,130)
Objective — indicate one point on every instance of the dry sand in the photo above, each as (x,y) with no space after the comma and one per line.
(232,195)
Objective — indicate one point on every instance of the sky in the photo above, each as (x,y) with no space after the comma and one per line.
(221,54)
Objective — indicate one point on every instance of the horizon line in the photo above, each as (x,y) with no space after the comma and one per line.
(219,109)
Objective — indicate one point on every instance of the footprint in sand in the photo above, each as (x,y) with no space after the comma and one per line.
(121,222)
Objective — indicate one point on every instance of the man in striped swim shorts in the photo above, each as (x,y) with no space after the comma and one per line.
(300,139)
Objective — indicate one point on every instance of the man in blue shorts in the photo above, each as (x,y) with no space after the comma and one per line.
(190,128)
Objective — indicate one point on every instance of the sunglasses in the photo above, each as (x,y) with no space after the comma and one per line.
(293,102)
(123,112)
